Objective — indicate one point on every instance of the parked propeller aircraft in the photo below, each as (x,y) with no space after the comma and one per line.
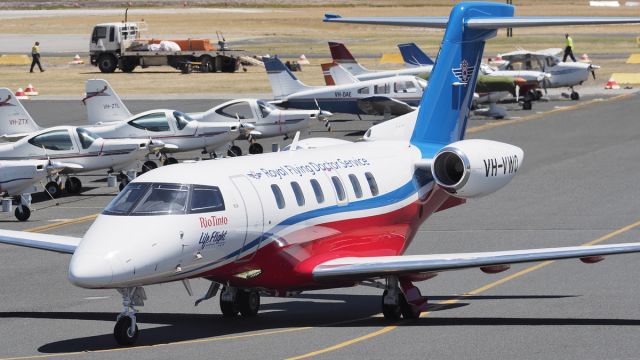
(80,149)
(341,55)
(264,119)
(390,96)
(18,179)
(563,74)
(333,214)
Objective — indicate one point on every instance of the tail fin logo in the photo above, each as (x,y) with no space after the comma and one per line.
(94,94)
(464,72)
(6,101)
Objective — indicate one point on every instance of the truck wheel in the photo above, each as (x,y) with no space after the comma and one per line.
(107,63)
(206,64)
(128,64)
(229,64)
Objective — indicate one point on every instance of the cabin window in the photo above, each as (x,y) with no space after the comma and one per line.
(112,34)
(152,122)
(373,185)
(399,87)
(164,199)
(356,185)
(86,137)
(53,140)
(297,191)
(337,184)
(182,119)
(410,87)
(364,90)
(240,110)
(278,195)
(265,108)
(205,199)
(317,190)
(381,89)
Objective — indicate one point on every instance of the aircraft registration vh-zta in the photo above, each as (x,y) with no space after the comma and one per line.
(331,215)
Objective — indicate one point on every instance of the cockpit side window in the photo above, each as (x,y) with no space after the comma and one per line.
(264,109)
(86,137)
(153,122)
(163,199)
(240,110)
(182,119)
(205,199)
(127,199)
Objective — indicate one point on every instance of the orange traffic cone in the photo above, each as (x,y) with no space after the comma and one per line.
(77,60)
(612,84)
(585,58)
(30,91)
(21,95)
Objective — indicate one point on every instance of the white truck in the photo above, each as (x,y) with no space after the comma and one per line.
(120,45)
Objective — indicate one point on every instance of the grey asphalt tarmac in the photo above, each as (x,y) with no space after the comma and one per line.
(577,184)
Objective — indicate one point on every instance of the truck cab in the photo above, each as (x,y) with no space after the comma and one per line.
(105,47)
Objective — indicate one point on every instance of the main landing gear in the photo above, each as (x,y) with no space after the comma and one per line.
(234,301)
(402,299)
(126,330)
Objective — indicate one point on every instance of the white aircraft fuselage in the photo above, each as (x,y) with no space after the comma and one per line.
(19,176)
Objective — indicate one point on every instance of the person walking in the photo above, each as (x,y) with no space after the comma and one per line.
(568,49)
(35,54)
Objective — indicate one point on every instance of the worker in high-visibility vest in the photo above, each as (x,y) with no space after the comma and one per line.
(568,49)
(35,55)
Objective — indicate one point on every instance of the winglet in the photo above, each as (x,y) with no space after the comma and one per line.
(328,17)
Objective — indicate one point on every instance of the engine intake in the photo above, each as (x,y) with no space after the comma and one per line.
(474,168)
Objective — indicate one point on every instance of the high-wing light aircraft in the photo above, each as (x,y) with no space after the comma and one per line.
(179,131)
(390,96)
(333,214)
(265,119)
(563,74)
(341,55)
(78,148)
(18,179)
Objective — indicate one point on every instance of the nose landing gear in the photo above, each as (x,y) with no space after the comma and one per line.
(126,330)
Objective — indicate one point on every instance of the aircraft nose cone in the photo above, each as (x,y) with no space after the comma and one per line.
(90,272)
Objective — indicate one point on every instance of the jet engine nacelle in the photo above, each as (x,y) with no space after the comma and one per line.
(474,168)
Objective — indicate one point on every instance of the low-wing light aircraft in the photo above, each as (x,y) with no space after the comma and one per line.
(563,74)
(333,214)
(177,130)
(18,179)
(341,55)
(390,96)
(78,148)
(265,120)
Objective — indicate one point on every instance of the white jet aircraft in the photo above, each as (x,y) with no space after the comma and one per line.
(19,178)
(563,74)
(330,214)
(78,148)
(390,96)
(265,119)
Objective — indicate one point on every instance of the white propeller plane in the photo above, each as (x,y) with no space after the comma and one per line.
(78,148)
(563,74)
(18,179)
(265,119)
(333,214)
(390,96)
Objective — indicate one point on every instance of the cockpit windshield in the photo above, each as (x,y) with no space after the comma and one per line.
(146,199)
(182,119)
(86,137)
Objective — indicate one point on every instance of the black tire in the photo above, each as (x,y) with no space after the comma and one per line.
(248,302)
(148,166)
(73,185)
(539,94)
(53,188)
(575,96)
(407,310)
(22,213)
(206,64)
(121,332)
(391,312)
(107,63)
(527,105)
(255,148)
(234,151)
(169,161)
(129,63)
(229,308)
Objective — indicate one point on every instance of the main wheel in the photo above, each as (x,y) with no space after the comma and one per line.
(575,96)
(229,308)
(234,151)
(107,63)
(22,213)
(248,302)
(73,185)
(206,64)
(255,148)
(122,332)
(408,311)
(390,311)
(53,188)
(527,105)
(169,161)
(148,166)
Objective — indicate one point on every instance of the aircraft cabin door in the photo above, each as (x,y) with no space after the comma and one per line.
(254,216)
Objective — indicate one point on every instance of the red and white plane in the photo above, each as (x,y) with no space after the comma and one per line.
(326,213)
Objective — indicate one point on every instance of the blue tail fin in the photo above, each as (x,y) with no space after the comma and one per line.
(283,82)
(413,55)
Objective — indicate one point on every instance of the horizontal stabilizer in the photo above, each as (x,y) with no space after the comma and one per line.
(57,243)
(356,268)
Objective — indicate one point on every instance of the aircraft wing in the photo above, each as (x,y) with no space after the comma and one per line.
(361,268)
(524,55)
(56,243)
(13,137)
(68,168)
(380,105)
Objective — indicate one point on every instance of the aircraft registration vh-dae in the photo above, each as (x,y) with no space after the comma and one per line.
(334,215)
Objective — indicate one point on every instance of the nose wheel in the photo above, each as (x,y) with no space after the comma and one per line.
(126,330)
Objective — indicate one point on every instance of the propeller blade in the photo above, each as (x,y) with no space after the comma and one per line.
(593,73)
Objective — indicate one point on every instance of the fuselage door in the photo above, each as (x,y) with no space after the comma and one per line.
(254,217)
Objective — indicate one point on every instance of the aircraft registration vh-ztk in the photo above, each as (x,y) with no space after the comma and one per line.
(330,216)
